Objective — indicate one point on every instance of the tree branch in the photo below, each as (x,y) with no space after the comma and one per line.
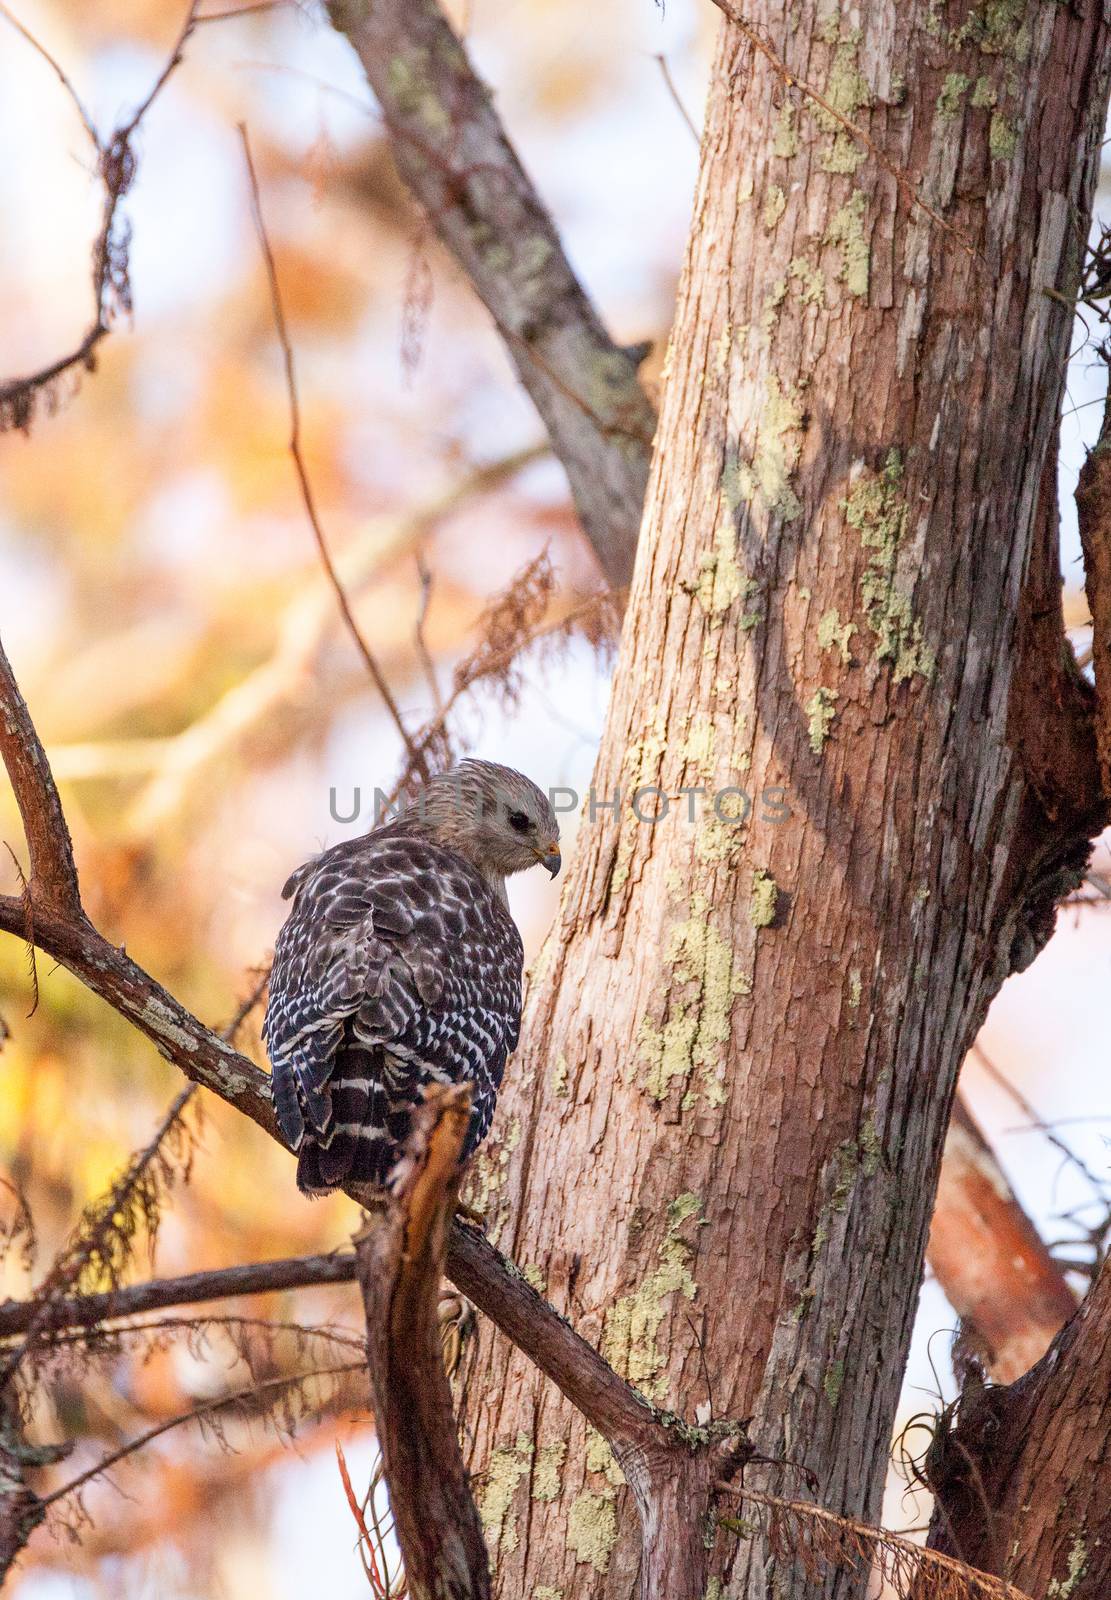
(453,153)
(987,1255)
(53,880)
(400,1263)
(262,1277)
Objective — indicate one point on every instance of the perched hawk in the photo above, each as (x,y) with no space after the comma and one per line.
(399,965)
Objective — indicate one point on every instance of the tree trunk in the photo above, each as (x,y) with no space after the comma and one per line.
(720,1141)
(1023,1485)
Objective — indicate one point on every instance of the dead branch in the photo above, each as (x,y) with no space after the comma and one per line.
(116,167)
(819,1539)
(308,499)
(454,154)
(991,1262)
(401,1260)
(192,1288)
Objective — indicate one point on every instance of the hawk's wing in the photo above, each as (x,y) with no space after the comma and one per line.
(394,945)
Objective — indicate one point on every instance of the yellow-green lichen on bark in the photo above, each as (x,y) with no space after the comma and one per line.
(717,841)
(633,1323)
(833,634)
(952,93)
(765,894)
(997,28)
(546,1480)
(504,1471)
(698,746)
(414,89)
(1061,1588)
(1002,137)
(877,509)
(775,204)
(777,453)
(833,1381)
(785,142)
(720,580)
(559,1077)
(808,280)
(696,1030)
(847,92)
(820,712)
(846,231)
(592,1529)
(547,1591)
(983,93)
(535,1278)
(600,1458)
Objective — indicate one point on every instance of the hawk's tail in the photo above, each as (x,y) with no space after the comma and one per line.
(364,1135)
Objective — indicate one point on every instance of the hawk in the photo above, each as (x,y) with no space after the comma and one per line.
(399,965)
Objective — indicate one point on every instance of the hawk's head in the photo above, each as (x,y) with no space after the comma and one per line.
(496,818)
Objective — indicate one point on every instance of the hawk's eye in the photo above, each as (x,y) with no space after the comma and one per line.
(518,821)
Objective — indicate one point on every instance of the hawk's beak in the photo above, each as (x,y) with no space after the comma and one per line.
(551,859)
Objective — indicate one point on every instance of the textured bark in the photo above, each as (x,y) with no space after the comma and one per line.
(1024,1483)
(453,153)
(722,1136)
(985,1252)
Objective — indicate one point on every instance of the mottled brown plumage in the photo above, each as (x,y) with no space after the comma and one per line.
(399,965)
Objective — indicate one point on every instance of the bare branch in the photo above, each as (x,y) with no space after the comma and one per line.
(401,1259)
(453,153)
(375,671)
(193,1288)
(994,1267)
(53,879)
(818,1539)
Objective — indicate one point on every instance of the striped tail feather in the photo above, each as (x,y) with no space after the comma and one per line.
(365,1132)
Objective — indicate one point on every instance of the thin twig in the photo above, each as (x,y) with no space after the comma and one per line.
(205,1409)
(243,11)
(853,129)
(111,287)
(425,655)
(1036,1120)
(881,1541)
(281,329)
(58,70)
(676,98)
